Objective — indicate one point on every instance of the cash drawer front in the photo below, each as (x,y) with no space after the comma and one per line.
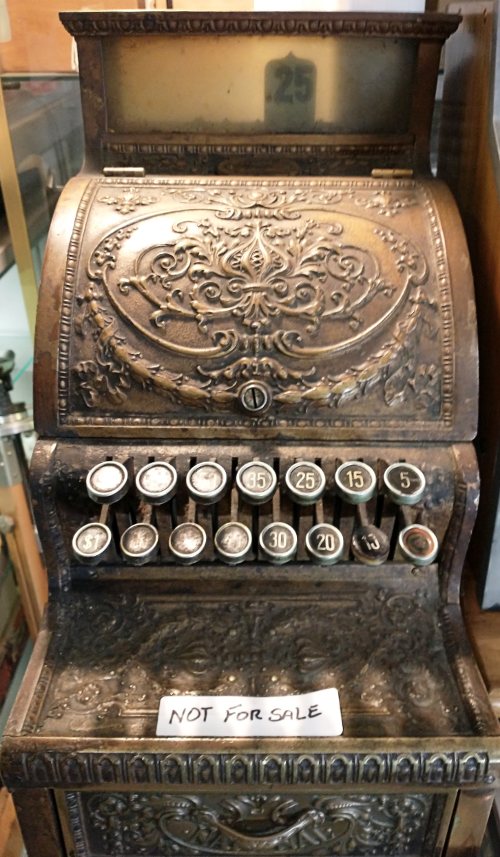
(160,824)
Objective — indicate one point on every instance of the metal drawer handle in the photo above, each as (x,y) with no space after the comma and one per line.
(272,840)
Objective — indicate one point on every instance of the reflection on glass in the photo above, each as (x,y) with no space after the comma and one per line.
(258,85)
(290,94)
(45,124)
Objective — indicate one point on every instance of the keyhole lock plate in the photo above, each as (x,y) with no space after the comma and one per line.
(255,397)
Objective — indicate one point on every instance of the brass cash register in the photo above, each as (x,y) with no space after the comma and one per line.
(256,385)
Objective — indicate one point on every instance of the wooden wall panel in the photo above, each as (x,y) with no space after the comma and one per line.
(39,42)
(469,164)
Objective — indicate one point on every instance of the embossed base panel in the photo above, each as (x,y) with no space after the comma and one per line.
(158,824)
(113,655)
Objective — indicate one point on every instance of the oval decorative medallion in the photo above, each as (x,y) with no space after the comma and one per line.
(195,292)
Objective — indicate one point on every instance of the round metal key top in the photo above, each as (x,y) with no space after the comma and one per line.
(324,543)
(187,542)
(233,542)
(91,542)
(278,542)
(156,482)
(305,482)
(404,483)
(107,482)
(206,482)
(256,482)
(139,543)
(356,481)
(370,545)
(418,544)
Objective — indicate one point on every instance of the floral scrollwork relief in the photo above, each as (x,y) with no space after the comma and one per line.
(127,201)
(264,288)
(161,824)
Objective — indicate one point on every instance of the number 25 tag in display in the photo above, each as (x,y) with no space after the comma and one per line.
(290,94)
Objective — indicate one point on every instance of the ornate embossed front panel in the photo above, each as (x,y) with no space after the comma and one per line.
(312,306)
(316,825)
(112,657)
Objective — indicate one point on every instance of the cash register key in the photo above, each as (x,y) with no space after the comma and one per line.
(324,543)
(404,483)
(107,482)
(187,542)
(370,545)
(233,542)
(91,542)
(356,482)
(156,482)
(305,482)
(418,544)
(206,482)
(256,482)
(278,542)
(139,543)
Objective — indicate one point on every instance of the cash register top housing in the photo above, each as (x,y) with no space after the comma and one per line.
(313,304)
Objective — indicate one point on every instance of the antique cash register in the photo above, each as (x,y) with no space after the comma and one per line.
(256,384)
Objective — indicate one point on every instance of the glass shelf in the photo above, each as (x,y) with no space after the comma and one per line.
(44,122)
(45,125)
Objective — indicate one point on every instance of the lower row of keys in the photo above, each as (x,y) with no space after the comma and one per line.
(139,544)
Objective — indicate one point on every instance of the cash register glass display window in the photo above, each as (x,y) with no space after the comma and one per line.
(259,85)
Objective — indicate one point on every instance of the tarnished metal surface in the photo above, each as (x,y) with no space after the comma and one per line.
(336,153)
(301,308)
(62,503)
(243,824)
(381,648)
(315,314)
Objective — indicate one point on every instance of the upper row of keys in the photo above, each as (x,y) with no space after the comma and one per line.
(207,482)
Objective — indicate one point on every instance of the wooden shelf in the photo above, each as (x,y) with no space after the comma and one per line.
(484,631)
(11,843)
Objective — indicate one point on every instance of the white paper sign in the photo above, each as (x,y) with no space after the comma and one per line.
(306,715)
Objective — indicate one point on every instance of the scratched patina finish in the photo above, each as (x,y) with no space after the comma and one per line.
(231,824)
(382,649)
(330,297)
(192,311)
